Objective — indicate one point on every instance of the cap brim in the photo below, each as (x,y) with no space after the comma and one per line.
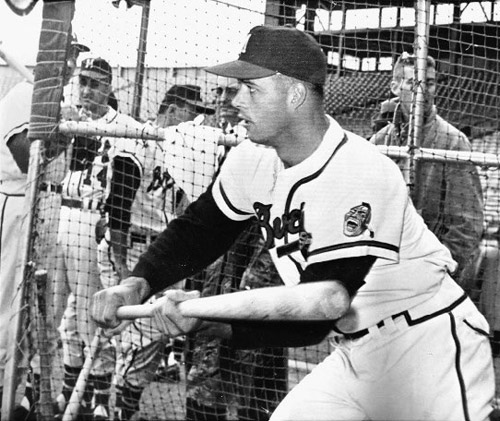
(80,47)
(93,75)
(240,69)
(201,108)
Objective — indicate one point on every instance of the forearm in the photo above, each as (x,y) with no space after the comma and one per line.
(259,334)
(119,247)
(188,244)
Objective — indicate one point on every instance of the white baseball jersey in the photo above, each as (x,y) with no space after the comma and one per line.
(90,183)
(15,109)
(191,155)
(155,203)
(345,200)
(186,160)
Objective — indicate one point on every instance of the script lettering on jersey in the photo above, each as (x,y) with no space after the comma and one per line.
(160,180)
(291,222)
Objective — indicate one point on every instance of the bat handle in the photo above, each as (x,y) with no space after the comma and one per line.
(189,308)
(134,312)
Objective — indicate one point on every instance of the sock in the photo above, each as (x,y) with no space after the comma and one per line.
(102,388)
(128,398)
(69,380)
(32,391)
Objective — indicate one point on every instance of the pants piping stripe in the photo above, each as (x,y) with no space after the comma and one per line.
(458,367)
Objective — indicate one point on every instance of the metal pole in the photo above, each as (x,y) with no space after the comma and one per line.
(141,58)
(10,381)
(341,41)
(417,114)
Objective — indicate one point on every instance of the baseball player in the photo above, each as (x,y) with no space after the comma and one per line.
(355,257)
(83,190)
(143,199)
(15,110)
(14,152)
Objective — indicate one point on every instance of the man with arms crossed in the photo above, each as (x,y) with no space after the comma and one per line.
(354,254)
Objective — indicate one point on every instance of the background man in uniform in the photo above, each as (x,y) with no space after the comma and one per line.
(143,199)
(355,257)
(77,272)
(14,152)
(447,195)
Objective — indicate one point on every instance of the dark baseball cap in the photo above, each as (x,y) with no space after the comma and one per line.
(81,48)
(188,94)
(277,49)
(96,68)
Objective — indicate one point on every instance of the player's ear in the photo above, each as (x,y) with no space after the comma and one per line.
(297,94)
(396,87)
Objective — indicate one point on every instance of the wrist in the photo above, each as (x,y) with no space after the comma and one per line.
(214,329)
(139,285)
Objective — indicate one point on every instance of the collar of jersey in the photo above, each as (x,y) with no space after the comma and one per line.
(332,138)
(109,116)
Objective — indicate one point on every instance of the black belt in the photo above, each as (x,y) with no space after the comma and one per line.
(53,188)
(141,238)
(80,204)
(407,316)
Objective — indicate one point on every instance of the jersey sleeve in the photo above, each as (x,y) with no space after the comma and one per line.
(16,110)
(362,216)
(232,187)
(123,187)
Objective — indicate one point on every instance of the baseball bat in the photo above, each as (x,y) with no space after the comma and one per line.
(281,303)
(73,407)
(45,408)
(98,128)
(13,62)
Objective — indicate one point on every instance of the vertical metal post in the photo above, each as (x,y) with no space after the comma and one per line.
(341,40)
(420,78)
(141,59)
(10,381)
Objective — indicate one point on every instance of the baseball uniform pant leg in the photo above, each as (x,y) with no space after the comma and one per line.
(11,218)
(78,236)
(440,369)
(141,350)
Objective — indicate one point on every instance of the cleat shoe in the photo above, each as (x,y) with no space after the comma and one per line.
(100,413)
(22,412)
(59,407)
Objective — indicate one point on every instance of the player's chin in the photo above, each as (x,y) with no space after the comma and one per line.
(256,139)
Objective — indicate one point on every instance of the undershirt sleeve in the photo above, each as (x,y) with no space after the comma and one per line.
(256,334)
(124,184)
(188,244)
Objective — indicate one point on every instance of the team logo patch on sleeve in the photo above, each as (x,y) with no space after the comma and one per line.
(357,219)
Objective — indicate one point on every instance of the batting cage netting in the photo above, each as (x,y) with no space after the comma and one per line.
(127,129)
